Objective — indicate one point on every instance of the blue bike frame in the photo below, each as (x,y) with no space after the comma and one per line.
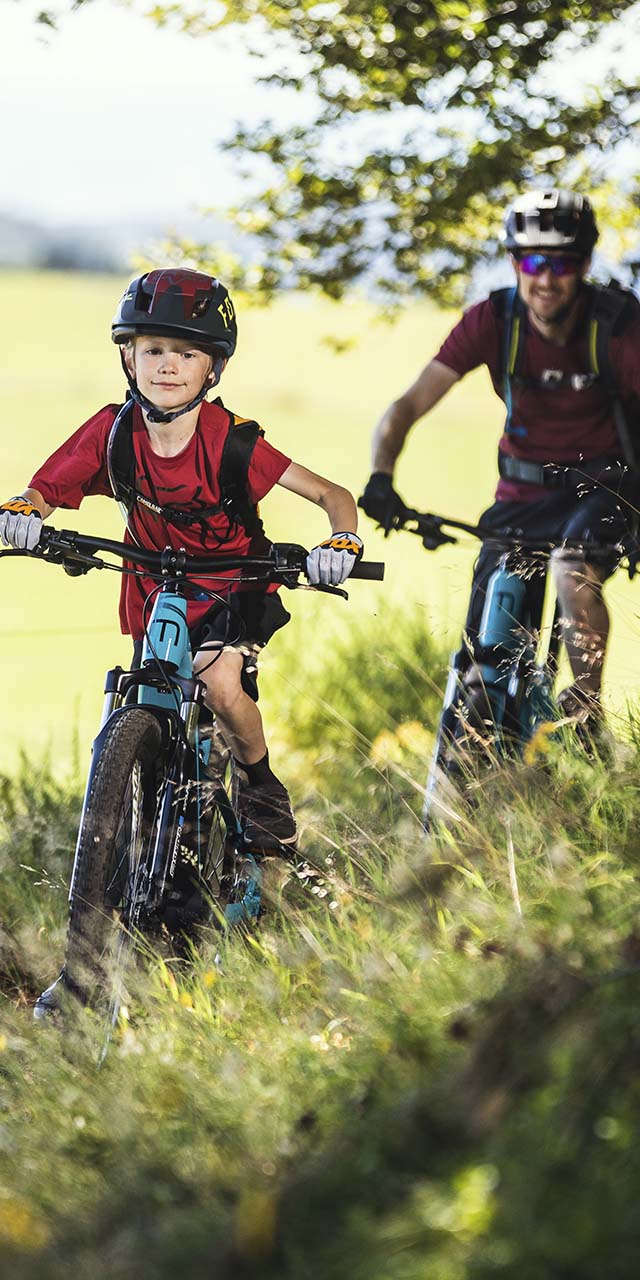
(165,684)
(518,685)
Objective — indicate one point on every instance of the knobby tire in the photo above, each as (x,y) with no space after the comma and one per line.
(118,818)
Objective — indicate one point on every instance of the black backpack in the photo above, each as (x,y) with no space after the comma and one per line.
(237,451)
(611,309)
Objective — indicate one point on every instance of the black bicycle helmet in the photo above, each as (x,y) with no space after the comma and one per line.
(555,219)
(175,302)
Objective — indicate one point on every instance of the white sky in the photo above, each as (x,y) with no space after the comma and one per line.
(111,117)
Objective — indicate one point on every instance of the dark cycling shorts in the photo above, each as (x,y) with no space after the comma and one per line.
(594,516)
(245,625)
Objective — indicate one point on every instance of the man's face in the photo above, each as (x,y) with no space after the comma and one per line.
(547,294)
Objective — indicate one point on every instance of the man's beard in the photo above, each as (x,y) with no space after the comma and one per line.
(558,316)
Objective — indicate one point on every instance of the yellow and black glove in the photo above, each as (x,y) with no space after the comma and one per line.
(20,524)
(332,562)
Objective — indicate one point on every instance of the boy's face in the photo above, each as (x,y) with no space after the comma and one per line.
(168,371)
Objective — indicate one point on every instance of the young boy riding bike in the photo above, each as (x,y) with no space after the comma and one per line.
(189,474)
(563,356)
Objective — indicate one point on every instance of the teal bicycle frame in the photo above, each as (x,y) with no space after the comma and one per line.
(166,686)
(517,682)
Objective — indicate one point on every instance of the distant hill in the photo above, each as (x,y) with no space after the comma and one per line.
(109,247)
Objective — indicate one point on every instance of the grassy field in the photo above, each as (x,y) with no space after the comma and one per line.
(58,635)
(423,1064)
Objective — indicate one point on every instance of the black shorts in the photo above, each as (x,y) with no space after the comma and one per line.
(594,516)
(245,624)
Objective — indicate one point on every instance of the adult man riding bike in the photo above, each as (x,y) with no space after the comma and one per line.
(562,355)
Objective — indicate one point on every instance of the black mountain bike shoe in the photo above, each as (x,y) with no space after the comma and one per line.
(267,817)
(589,722)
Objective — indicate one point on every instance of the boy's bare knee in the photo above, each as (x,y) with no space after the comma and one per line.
(222,680)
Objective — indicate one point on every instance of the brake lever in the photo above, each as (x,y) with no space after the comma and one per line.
(330,591)
(436,538)
(62,551)
(83,564)
(428,527)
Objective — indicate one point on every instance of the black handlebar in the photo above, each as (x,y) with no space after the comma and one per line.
(373,570)
(284,562)
(430,528)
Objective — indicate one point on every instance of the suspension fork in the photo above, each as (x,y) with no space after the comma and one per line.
(179,811)
(173,810)
(458,665)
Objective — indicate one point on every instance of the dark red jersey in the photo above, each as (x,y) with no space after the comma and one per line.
(78,469)
(558,424)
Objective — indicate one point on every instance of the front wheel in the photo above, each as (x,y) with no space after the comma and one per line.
(118,819)
(471,733)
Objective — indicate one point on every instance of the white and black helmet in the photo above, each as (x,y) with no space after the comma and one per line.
(555,219)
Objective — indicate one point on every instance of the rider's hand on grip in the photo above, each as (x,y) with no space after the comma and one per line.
(20,524)
(381,502)
(331,563)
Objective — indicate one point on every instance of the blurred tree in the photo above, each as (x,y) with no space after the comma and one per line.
(429,114)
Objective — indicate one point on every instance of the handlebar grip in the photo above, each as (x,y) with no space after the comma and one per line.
(372,569)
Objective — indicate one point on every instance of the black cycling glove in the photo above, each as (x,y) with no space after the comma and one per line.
(632,549)
(381,502)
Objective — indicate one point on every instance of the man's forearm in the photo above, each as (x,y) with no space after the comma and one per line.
(396,423)
(390,435)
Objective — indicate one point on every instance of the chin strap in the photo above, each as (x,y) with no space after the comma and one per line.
(159,415)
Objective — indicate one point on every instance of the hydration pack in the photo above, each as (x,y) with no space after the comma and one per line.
(234,503)
(610,309)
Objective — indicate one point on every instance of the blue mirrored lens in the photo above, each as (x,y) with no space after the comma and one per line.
(533,264)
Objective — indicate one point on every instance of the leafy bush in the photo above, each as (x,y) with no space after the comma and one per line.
(356,732)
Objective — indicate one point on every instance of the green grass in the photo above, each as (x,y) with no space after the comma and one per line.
(425,1068)
(58,635)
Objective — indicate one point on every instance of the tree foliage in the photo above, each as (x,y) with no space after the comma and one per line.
(429,114)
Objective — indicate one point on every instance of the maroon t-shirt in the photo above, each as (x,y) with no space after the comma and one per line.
(78,469)
(560,424)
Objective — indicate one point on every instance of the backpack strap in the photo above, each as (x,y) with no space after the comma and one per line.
(508,307)
(611,309)
(121,464)
(237,451)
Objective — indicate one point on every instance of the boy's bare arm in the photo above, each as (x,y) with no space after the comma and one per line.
(36,499)
(333,498)
(394,426)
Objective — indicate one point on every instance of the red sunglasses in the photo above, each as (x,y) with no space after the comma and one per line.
(533,264)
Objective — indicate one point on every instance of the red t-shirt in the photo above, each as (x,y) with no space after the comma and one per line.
(561,425)
(78,469)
